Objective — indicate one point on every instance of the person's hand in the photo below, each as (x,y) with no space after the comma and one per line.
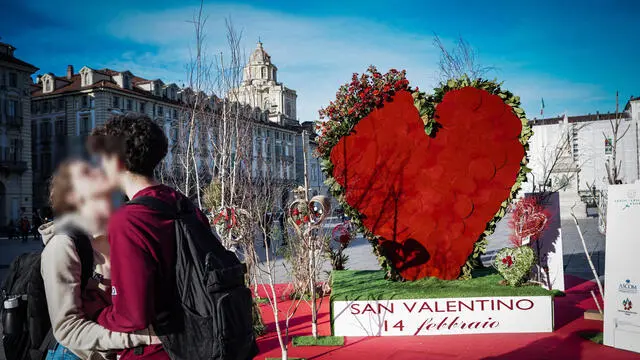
(155,340)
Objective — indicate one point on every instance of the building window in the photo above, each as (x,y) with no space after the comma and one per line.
(61,104)
(116,102)
(15,150)
(160,111)
(85,101)
(45,130)
(13,80)
(142,110)
(47,106)
(129,104)
(85,125)
(45,162)
(61,127)
(175,113)
(608,146)
(264,73)
(12,110)
(47,86)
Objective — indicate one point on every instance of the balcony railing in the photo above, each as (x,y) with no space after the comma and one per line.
(11,160)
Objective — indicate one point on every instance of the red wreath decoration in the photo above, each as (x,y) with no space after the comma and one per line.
(228,215)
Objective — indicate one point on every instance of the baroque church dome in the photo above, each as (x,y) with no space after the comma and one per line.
(259,56)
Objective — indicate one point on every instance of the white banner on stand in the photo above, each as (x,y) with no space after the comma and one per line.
(622,268)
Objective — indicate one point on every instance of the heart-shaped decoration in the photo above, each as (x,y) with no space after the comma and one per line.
(514,264)
(528,221)
(425,176)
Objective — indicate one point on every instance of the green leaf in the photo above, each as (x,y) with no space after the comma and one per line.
(428,128)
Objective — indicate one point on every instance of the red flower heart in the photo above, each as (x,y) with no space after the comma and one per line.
(429,198)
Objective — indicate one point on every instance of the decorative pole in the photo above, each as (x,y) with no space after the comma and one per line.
(306,216)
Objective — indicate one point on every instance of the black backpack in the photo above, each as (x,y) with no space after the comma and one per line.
(24,278)
(213,320)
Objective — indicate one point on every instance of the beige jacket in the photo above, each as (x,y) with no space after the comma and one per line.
(60,267)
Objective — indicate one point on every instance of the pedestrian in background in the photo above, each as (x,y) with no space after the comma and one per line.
(24,228)
(36,221)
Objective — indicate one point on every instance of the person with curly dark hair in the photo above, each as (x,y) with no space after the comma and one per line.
(142,240)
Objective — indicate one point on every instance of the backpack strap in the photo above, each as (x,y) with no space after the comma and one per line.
(82,242)
(49,343)
(157,205)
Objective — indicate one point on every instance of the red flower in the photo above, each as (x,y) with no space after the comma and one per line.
(306,218)
(507,260)
(344,239)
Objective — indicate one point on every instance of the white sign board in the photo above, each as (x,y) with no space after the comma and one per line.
(622,269)
(482,315)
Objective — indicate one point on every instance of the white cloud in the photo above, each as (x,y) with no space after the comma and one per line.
(316,55)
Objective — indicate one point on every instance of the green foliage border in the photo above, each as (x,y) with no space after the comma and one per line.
(426,105)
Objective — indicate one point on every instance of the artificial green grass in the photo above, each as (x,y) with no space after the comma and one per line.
(349,285)
(319,341)
(595,336)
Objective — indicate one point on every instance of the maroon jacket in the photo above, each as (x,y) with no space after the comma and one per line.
(143,257)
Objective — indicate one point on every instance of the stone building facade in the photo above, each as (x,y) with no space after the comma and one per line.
(589,140)
(15,137)
(66,108)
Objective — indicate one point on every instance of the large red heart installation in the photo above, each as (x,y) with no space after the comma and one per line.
(428,199)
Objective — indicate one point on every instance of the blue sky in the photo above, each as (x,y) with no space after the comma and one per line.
(575,55)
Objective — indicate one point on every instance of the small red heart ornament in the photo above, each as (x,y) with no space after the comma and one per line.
(428,199)
(528,221)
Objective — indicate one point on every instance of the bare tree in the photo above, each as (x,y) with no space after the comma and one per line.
(184,168)
(460,61)
(613,166)
(262,198)
(618,131)
(556,165)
